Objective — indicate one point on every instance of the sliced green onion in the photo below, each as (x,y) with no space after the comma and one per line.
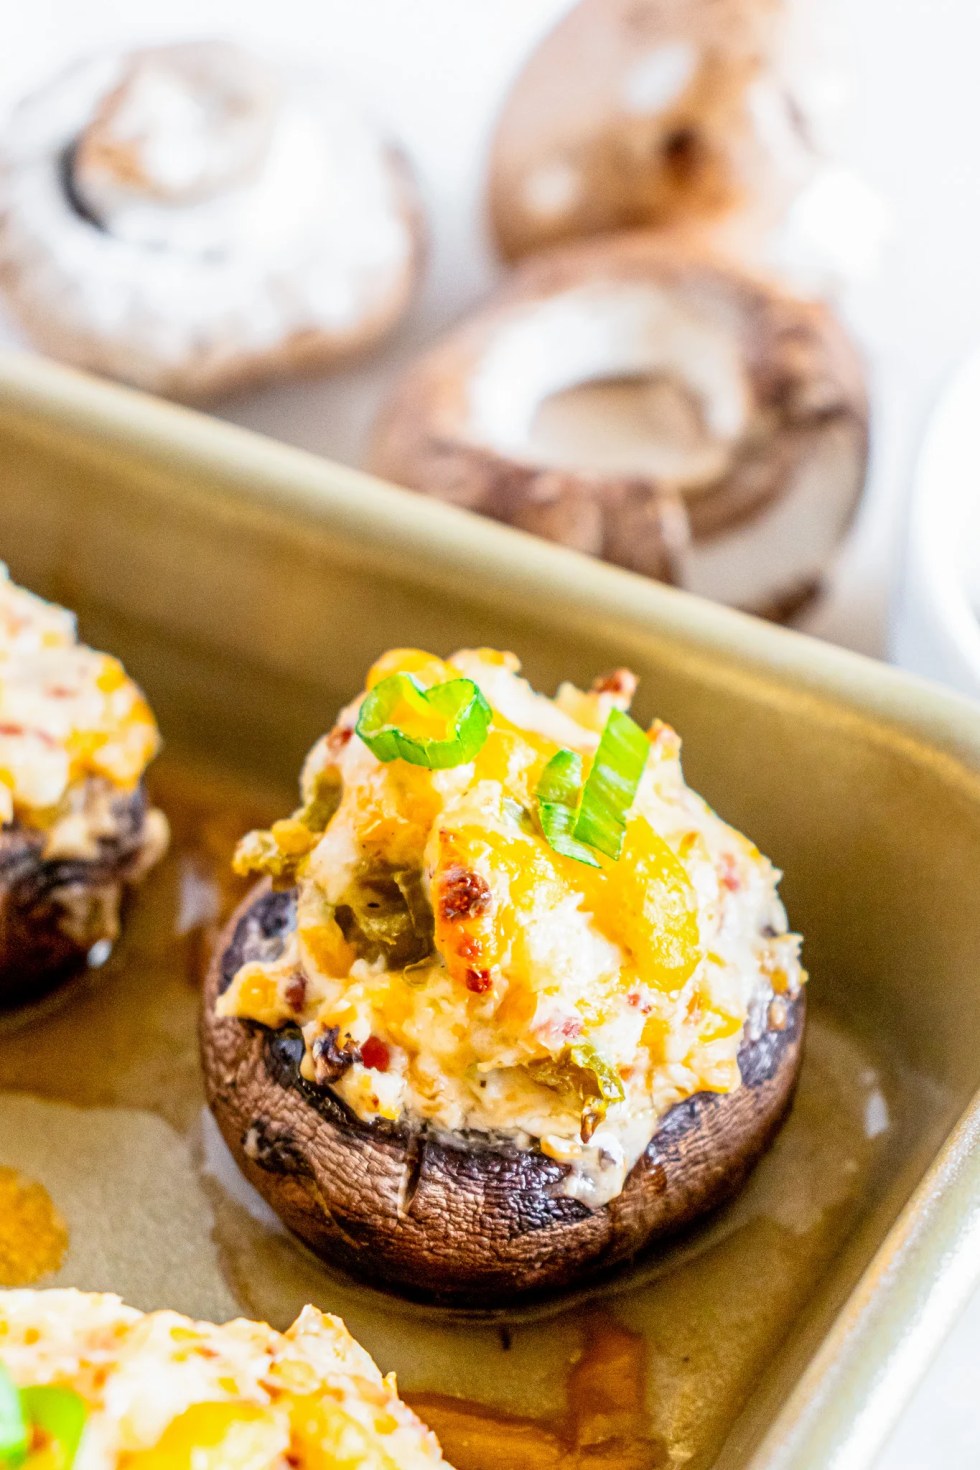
(610,787)
(576,825)
(561,779)
(458,705)
(557,794)
(14,1434)
(61,1414)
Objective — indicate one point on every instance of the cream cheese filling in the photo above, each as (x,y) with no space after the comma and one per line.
(72,724)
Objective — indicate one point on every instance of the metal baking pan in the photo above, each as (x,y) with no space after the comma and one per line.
(248,586)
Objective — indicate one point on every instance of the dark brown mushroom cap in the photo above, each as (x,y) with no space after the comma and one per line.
(53,910)
(458,1218)
(740,489)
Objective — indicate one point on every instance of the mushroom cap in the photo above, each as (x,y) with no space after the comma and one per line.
(53,911)
(463,1218)
(190,218)
(639,113)
(650,403)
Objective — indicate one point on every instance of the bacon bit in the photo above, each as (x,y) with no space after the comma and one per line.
(464,894)
(338,738)
(16,732)
(478,981)
(375,1055)
(469,948)
(729,877)
(295,992)
(621,683)
(633,999)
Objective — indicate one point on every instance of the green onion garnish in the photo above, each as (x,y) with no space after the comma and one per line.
(610,787)
(557,793)
(14,1433)
(457,707)
(60,1414)
(576,825)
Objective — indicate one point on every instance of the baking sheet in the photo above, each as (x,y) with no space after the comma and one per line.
(862,786)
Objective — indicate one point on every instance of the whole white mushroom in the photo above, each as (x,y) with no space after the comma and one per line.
(189,218)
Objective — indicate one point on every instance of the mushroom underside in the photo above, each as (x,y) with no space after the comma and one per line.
(460,1218)
(670,414)
(54,911)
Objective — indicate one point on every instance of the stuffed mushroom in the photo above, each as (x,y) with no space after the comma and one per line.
(90,1383)
(76,736)
(509,1000)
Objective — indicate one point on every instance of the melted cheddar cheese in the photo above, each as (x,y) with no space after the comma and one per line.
(519,992)
(165,1393)
(68,716)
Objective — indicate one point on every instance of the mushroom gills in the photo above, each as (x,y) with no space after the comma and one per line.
(624,425)
(612,346)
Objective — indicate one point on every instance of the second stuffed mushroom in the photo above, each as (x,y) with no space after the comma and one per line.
(77,830)
(511,1000)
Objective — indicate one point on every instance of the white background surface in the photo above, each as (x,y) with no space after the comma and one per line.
(435,71)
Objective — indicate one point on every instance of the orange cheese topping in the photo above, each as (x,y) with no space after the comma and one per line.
(67,713)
